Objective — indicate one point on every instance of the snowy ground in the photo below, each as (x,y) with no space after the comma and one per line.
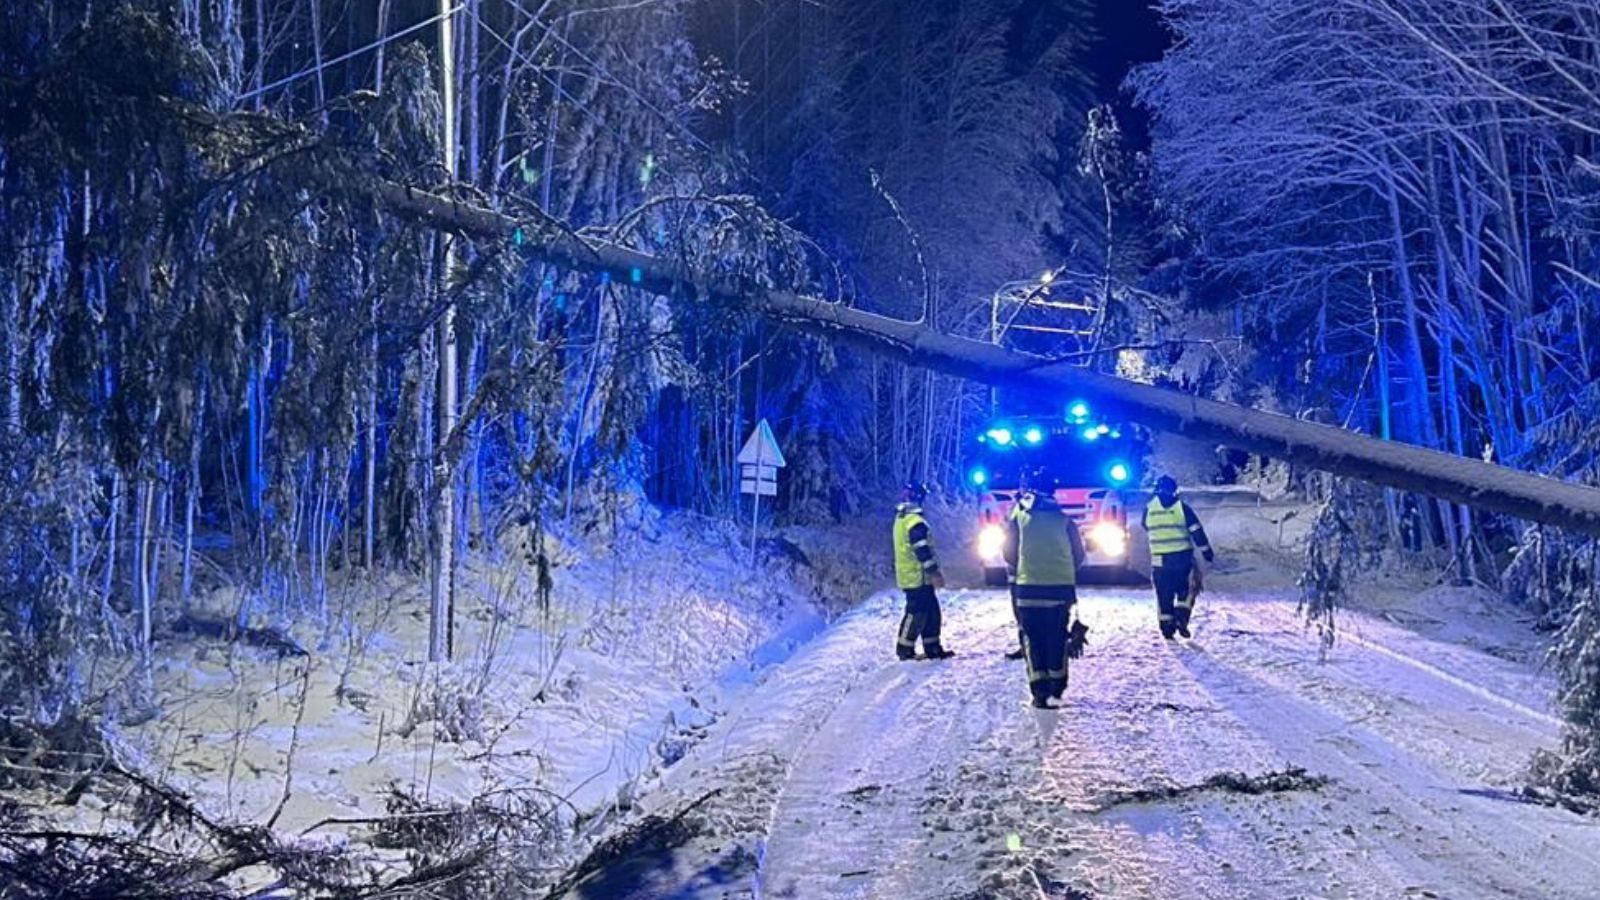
(570,706)
(848,774)
(668,675)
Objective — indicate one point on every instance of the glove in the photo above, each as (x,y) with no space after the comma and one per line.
(1210,557)
(1077,637)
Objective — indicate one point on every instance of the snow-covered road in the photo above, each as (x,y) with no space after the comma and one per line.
(848,774)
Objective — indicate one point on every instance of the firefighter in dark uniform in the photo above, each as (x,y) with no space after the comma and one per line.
(1045,550)
(1175,534)
(916,571)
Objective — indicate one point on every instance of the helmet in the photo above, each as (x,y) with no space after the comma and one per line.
(915,491)
(1040,480)
(1166,484)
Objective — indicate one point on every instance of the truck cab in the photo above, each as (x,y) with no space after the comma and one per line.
(1093,465)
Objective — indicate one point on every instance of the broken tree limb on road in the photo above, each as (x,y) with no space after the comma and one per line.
(1458,479)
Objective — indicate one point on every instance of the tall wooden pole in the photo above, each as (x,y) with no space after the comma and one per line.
(441,606)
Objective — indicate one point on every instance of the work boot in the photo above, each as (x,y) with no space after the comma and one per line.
(1015,654)
(1184,631)
(1041,703)
(941,653)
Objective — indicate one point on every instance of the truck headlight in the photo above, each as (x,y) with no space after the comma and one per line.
(1109,538)
(991,541)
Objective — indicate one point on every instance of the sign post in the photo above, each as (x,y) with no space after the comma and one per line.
(759,463)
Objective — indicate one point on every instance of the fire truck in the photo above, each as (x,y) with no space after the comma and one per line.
(1093,465)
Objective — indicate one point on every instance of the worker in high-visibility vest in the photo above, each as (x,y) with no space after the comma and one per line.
(916,571)
(1175,534)
(1045,550)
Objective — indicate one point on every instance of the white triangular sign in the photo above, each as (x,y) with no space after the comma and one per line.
(762,448)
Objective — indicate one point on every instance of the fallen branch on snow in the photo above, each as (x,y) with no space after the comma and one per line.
(1292,779)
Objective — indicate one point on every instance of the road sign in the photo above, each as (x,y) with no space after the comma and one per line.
(759,488)
(759,462)
(762,448)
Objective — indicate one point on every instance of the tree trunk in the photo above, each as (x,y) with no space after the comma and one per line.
(108,584)
(383,32)
(1464,480)
(13,373)
(144,497)
(1380,356)
(316,55)
(369,480)
(191,498)
(1419,401)
(444,496)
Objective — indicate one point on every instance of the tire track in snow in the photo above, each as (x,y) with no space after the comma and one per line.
(1461,683)
(854,736)
(1402,807)
(847,822)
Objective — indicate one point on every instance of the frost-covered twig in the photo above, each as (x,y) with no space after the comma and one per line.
(294,743)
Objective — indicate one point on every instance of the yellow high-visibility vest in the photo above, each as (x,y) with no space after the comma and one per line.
(908,570)
(1166,527)
(1044,553)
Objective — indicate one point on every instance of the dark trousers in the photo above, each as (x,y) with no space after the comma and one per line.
(1017,614)
(1172,592)
(921,620)
(1044,645)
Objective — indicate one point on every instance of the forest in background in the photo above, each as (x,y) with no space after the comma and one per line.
(213,334)
(222,360)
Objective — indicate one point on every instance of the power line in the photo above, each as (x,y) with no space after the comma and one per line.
(537,70)
(674,123)
(303,73)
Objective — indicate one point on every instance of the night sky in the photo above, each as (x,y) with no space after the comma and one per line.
(1130,33)
(1127,33)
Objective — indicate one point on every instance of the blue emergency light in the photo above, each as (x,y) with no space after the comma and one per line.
(1091,433)
(1118,472)
(1078,410)
(1033,435)
(1001,436)
(979,476)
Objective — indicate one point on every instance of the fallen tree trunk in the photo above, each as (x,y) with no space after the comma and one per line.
(1458,479)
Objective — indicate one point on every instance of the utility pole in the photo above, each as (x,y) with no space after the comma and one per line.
(442,605)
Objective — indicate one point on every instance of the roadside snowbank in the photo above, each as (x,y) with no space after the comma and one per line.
(634,656)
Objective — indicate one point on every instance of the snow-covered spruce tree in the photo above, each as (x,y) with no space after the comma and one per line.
(1345,542)
(1558,576)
